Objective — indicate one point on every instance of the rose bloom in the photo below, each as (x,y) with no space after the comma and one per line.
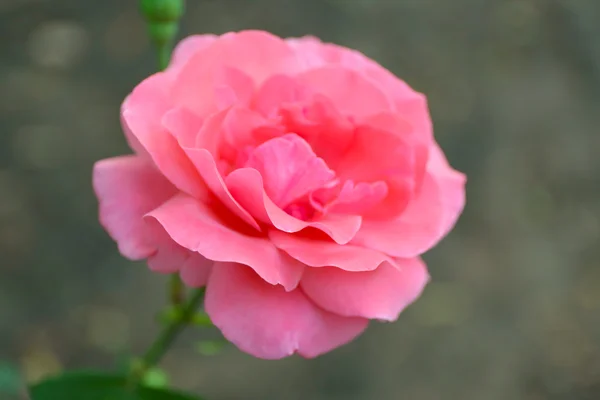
(298,180)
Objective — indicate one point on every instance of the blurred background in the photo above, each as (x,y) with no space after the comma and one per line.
(513,310)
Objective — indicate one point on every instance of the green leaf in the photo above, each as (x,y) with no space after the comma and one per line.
(10,380)
(155,378)
(169,315)
(210,347)
(123,362)
(98,386)
(201,319)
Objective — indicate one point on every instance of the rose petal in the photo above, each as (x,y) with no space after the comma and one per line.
(127,188)
(246,186)
(350,198)
(380,294)
(207,168)
(239,133)
(426,220)
(196,270)
(256,54)
(269,323)
(232,87)
(289,168)
(415,136)
(309,50)
(316,252)
(198,228)
(452,184)
(187,47)
(132,141)
(141,114)
(380,155)
(349,91)
(183,124)
(317,121)
(212,88)
(360,196)
(277,91)
(314,53)
(409,104)
(169,257)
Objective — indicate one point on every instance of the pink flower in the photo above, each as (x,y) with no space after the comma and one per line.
(298,180)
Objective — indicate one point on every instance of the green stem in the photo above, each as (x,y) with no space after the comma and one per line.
(176,290)
(163,53)
(165,339)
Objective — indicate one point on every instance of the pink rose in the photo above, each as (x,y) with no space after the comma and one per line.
(298,180)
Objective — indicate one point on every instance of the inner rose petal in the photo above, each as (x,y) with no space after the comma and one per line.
(349,198)
(290,169)
(317,121)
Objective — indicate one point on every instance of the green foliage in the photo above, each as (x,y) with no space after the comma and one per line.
(174,314)
(155,378)
(210,347)
(10,380)
(201,319)
(98,386)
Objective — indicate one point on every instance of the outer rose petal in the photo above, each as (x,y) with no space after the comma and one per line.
(348,90)
(410,104)
(451,182)
(169,256)
(187,47)
(426,220)
(323,253)
(183,124)
(268,322)
(195,270)
(132,141)
(195,226)
(310,52)
(127,188)
(257,53)
(141,114)
(380,294)
(246,186)
(419,139)
(254,53)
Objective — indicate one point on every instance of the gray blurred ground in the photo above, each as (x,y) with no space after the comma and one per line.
(513,311)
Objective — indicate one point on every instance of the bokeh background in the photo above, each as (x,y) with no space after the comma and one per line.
(513,310)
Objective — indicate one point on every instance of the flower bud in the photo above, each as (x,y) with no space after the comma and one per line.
(162,10)
(162,17)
